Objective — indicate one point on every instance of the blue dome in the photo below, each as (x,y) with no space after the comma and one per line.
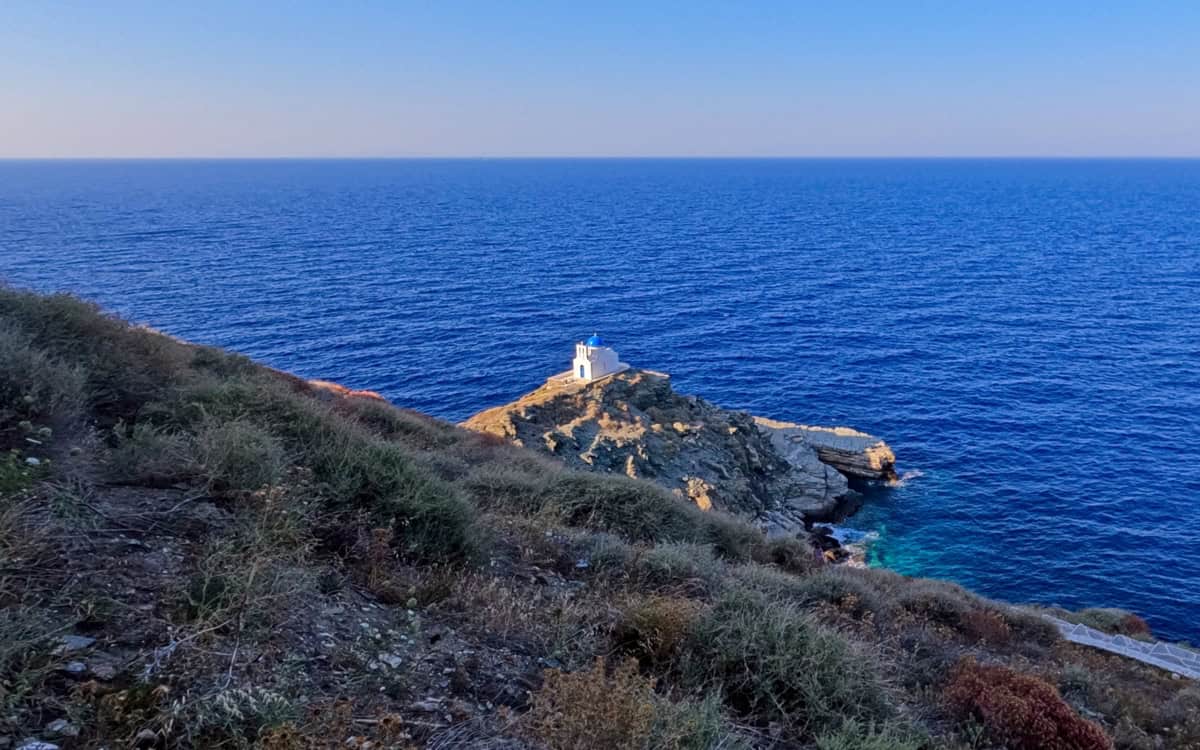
(595,340)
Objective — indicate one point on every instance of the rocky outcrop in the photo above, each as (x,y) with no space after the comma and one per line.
(634,423)
(855,454)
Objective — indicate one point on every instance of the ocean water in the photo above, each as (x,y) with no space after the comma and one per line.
(1025,334)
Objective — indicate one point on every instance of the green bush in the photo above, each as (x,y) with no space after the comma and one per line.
(769,580)
(774,663)
(607,554)
(352,467)
(410,427)
(126,366)
(234,717)
(787,553)
(34,385)
(152,456)
(27,662)
(434,522)
(16,475)
(844,589)
(636,510)
(940,603)
(239,455)
(679,565)
(692,725)
(1111,620)
(731,538)
(856,735)
(508,488)
(1030,627)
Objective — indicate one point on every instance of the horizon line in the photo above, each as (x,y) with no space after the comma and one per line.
(652,157)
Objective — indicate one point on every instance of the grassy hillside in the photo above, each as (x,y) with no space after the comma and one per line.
(197,551)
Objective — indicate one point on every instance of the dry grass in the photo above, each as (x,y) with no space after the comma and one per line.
(594,709)
(653,629)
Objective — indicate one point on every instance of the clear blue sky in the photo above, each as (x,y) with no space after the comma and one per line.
(599,78)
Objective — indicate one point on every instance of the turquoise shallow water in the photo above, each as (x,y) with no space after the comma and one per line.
(1026,334)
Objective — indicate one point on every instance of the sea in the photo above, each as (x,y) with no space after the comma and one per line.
(1025,334)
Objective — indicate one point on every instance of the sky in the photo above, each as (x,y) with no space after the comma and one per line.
(696,78)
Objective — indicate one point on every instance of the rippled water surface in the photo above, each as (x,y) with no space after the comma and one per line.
(1026,335)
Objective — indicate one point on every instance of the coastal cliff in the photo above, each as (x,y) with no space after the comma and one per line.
(197,551)
(778,473)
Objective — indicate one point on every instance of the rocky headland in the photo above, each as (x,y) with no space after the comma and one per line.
(783,475)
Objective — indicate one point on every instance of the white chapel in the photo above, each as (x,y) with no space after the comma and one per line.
(594,360)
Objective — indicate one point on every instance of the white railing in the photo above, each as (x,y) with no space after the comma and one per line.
(1183,661)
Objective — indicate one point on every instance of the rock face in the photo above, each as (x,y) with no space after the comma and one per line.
(853,453)
(633,423)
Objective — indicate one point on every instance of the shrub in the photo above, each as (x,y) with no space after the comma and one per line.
(855,735)
(775,664)
(844,589)
(255,569)
(786,553)
(1076,679)
(33,384)
(434,522)
(682,565)
(1021,712)
(393,422)
(938,602)
(986,625)
(26,663)
(507,488)
(769,580)
(925,656)
(351,467)
(692,725)
(1030,627)
(607,554)
(234,717)
(16,475)
(589,708)
(152,456)
(636,510)
(653,629)
(239,455)
(126,367)
(731,538)
(1111,620)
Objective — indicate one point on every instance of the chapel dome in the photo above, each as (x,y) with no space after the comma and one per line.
(595,340)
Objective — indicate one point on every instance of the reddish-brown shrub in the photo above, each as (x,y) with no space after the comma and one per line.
(1131,624)
(986,625)
(1020,711)
(593,709)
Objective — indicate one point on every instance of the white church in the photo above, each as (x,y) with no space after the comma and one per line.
(594,360)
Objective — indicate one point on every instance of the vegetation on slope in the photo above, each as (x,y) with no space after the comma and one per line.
(197,551)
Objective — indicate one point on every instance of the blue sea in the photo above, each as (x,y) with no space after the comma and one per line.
(1025,334)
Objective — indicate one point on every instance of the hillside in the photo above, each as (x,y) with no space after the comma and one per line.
(200,552)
